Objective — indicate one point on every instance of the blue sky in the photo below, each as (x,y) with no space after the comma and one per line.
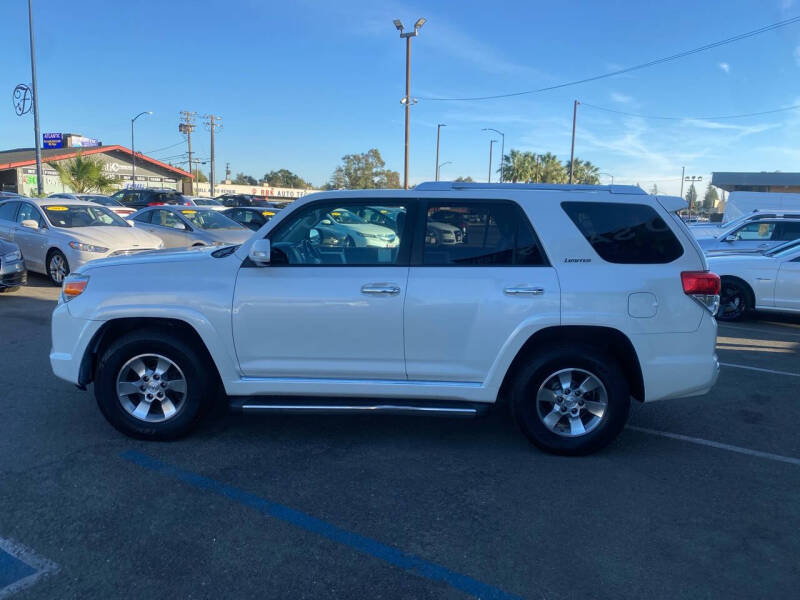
(299,84)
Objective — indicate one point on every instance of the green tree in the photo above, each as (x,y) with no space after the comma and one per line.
(583,171)
(518,167)
(691,197)
(242,179)
(201,177)
(83,174)
(710,198)
(466,179)
(285,178)
(362,172)
(549,169)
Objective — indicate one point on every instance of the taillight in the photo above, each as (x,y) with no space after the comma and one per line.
(704,287)
(155,204)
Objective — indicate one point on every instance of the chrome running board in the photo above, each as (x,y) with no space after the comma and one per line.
(262,405)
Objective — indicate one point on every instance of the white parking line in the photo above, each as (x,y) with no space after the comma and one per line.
(787,373)
(718,445)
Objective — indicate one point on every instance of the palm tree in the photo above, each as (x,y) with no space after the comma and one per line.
(83,174)
(550,169)
(584,172)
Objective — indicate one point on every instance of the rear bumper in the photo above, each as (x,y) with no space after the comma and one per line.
(679,365)
(13,275)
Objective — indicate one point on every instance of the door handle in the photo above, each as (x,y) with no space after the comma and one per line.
(523,290)
(380,289)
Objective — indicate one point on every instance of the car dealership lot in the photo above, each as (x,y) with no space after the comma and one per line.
(386,507)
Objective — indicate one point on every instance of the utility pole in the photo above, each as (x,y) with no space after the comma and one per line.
(572,151)
(35,94)
(438,131)
(683,174)
(212,122)
(407,101)
(692,179)
(491,145)
(133,147)
(187,126)
(227,172)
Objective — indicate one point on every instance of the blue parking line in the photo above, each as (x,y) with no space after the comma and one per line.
(393,556)
(12,570)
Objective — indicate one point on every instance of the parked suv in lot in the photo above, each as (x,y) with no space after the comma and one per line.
(566,301)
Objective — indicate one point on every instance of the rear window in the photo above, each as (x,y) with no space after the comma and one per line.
(625,233)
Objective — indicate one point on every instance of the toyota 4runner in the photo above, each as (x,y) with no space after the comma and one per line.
(564,301)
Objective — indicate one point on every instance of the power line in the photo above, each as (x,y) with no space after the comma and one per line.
(717,118)
(164,148)
(651,63)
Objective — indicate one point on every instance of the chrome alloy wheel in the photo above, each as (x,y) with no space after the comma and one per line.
(151,387)
(571,402)
(58,268)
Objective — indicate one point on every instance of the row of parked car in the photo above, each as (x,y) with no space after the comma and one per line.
(58,234)
(758,259)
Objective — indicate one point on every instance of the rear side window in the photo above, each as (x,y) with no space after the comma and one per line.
(485,234)
(8,210)
(625,233)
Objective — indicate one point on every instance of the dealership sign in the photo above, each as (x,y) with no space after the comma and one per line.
(53,140)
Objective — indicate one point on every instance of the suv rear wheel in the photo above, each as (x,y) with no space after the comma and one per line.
(572,400)
(152,386)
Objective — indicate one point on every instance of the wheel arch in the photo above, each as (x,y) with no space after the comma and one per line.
(747,287)
(607,339)
(114,328)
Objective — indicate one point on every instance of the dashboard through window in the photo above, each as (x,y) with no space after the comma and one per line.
(338,234)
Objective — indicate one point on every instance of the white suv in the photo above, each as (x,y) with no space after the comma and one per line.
(566,301)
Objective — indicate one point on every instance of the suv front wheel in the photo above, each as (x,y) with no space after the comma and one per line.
(152,386)
(571,400)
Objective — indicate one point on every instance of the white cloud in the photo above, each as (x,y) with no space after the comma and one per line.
(725,67)
(621,98)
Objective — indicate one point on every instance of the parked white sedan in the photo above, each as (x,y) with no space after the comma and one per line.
(57,236)
(768,281)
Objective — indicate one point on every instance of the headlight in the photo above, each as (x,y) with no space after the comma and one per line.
(12,256)
(86,247)
(74,285)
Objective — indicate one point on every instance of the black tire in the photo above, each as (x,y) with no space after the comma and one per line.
(50,274)
(735,300)
(201,385)
(9,290)
(540,369)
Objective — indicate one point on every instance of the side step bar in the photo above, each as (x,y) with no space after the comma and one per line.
(356,406)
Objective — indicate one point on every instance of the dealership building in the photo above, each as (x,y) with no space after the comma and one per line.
(18,168)
(775,182)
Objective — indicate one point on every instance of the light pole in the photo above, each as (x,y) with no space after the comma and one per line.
(35,94)
(502,148)
(438,130)
(608,175)
(439,166)
(407,99)
(572,148)
(491,145)
(133,150)
(691,179)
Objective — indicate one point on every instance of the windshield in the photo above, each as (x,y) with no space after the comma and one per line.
(206,202)
(784,249)
(345,217)
(209,219)
(67,216)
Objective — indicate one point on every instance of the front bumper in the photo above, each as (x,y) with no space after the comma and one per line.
(71,338)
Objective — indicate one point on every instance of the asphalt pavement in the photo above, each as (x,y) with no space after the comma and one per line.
(698,498)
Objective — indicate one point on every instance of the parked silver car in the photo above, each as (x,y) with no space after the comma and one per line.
(184,226)
(757,234)
(12,267)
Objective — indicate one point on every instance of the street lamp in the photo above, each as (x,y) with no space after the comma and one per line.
(133,150)
(35,98)
(608,175)
(407,99)
(491,145)
(440,165)
(438,130)
(502,149)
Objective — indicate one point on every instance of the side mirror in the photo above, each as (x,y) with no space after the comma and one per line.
(314,237)
(325,222)
(30,224)
(730,238)
(180,226)
(131,222)
(259,252)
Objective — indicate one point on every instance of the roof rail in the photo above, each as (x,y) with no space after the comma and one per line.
(443,186)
